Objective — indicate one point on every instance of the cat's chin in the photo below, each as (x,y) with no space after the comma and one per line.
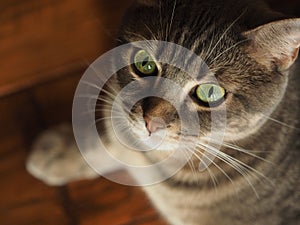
(159,141)
(162,141)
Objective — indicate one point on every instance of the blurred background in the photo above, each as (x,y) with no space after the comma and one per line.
(45,46)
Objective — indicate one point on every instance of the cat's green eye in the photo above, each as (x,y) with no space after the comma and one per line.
(210,93)
(144,63)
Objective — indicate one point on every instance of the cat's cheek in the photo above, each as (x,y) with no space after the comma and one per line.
(243,128)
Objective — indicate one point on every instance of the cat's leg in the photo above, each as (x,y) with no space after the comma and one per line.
(56,160)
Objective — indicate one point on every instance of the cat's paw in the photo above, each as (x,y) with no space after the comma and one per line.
(56,160)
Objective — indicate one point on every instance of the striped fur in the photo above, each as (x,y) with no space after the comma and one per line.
(257,180)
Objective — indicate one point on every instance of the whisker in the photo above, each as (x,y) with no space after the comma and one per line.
(243,164)
(217,166)
(91,84)
(237,148)
(211,174)
(160,18)
(102,99)
(190,162)
(101,79)
(209,51)
(107,118)
(104,110)
(279,122)
(228,49)
(107,101)
(234,163)
(97,121)
(96,97)
(169,27)
(137,35)
(113,96)
(225,32)
(121,126)
(275,120)
(151,32)
(234,147)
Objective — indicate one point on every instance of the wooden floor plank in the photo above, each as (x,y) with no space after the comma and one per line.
(41,40)
(54,99)
(106,203)
(24,200)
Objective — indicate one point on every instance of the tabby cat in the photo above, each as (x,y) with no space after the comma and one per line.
(252,52)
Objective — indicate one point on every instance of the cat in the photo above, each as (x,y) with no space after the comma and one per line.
(252,52)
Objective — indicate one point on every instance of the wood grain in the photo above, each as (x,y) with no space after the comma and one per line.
(25,200)
(98,202)
(41,40)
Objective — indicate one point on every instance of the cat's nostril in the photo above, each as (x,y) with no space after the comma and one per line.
(154,124)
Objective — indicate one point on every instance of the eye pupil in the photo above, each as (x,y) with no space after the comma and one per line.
(145,61)
(210,92)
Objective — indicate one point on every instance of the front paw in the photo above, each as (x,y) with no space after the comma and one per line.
(56,160)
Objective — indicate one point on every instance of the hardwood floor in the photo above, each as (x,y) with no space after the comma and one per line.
(26,201)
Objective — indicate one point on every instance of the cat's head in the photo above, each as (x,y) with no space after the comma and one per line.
(249,57)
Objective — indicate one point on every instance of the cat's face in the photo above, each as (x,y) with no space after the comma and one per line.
(246,78)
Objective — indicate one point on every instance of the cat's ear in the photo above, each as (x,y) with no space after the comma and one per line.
(275,44)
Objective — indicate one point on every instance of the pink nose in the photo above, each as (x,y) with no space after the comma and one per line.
(153,125)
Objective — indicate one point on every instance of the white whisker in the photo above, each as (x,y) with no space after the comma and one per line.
(169,27)
(209,51)
(281,123)
(151,32)
(239,166)
(239,149)
(107,118)
(228,49)
(242,164)
(211,174)
(224,33)
(217,166)
(190,162)
(112,95)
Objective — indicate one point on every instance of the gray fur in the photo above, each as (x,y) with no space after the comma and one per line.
(252,56)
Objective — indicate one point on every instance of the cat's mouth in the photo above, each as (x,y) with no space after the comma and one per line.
(164,139)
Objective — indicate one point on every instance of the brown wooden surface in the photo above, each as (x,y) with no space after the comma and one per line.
(41,40)
(26,201)
(44,48)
